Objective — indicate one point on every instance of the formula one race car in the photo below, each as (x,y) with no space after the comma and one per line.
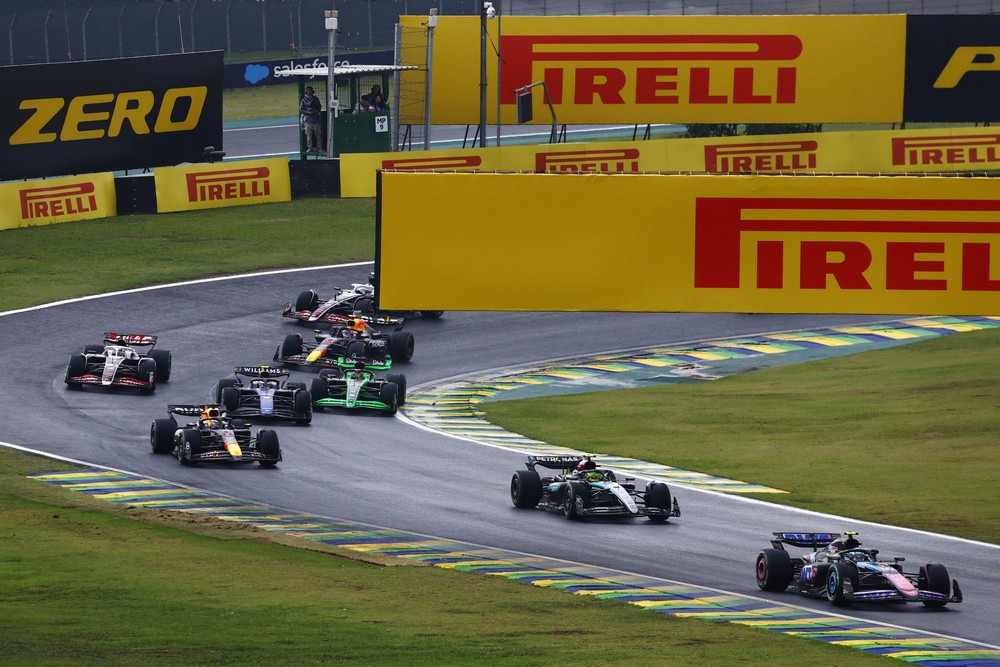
(358,300)
(355,385)
(212,436)
(837,568)
(357,340)
(261,391)
(584,490)
(118,363)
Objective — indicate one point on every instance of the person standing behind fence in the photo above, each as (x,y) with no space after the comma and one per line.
(311,111)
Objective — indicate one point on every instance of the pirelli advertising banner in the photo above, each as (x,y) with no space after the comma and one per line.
(31,203)
(711,243)
(873,151)
(219,184)
(671,69)
(108,115)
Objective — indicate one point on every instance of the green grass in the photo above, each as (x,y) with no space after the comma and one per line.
(52,262)
(260,102)
(85,582)
(905,436)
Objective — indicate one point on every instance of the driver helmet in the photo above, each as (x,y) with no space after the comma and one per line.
(356,325)
(586,464)
(594,476)
(843,544)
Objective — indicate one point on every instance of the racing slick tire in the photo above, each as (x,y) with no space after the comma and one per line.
(230,398)
(431,314)
(576,498)
(401,346)
(223,383)
(525,488)
(400,381)
(77,367)
(835,578)
(93,348)
(307,300)
(267,443)
(147,367)
(934,577)
(291,346)
(164,361)
(302,403)
(389,394)
(364,306)
(774,570)
(161,436)
(356,349)
(296,385)
(658,495)
(318,391)
(189,447)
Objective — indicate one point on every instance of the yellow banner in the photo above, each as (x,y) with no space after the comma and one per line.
(668,69)
(711,243)
(31,203)
(872,151)
(219,184)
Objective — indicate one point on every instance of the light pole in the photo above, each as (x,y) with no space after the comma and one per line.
(432,21)
(330,23)
(487,12)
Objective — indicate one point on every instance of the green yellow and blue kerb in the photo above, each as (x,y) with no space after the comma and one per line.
(452,408)
(652,594)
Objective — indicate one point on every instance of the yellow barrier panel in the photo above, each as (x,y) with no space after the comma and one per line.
(670,69)
(872,151)
(710,243)
(219,184)
(31,203)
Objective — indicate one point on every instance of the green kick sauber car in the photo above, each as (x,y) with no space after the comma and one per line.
(355,384)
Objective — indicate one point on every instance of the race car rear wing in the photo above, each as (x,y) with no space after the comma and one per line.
(554,462)
(144,340)
(195,410)
(262,372)
(805,540)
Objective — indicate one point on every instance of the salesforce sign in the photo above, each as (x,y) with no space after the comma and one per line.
(275,72)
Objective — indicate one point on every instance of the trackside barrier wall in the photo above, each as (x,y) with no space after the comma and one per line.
(221,184)
(91,196)
(874,151)
(708,243)
(32,203)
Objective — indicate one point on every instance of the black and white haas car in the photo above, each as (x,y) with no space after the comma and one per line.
(122,360)
(582,489)
(212,436)
(359,299)
(262,391)
(835,567)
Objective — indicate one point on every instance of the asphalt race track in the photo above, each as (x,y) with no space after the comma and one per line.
(382,471)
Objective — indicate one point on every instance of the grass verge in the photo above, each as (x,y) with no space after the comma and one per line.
(90,583)
(53,262)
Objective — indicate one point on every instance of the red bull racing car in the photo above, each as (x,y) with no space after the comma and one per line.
(212,436)
(358,339)
(837,568)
